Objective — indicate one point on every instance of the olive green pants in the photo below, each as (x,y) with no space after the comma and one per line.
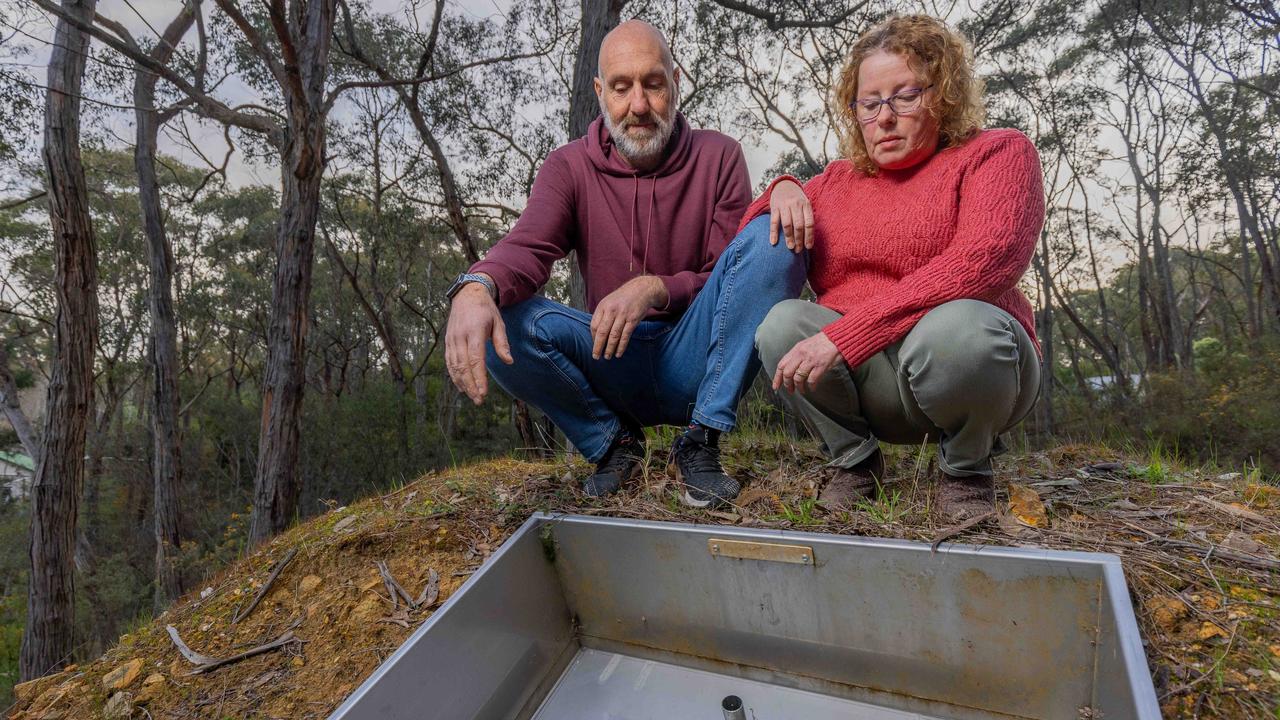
(963,375)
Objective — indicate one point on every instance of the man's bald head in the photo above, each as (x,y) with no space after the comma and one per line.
(637,86)
(630,39)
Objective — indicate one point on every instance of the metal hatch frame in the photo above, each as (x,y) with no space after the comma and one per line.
(498,645)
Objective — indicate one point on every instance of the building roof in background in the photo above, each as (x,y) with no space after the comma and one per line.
(18,459)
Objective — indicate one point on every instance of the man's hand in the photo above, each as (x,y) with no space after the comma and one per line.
(806,363)
(473,320)
(790,210)
(620,311)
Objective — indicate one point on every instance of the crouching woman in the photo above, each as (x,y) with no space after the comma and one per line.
(918,239)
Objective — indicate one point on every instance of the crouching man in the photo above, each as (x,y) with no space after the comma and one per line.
(650,205)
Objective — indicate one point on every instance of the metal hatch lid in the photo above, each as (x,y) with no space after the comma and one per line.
(1125,639)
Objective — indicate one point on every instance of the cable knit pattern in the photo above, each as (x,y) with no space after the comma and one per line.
(890,247)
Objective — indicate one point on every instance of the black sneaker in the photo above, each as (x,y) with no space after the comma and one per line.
(622,462)
(697,461)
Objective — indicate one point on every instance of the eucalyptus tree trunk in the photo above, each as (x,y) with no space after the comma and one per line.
(47,640)
(1165,302)
(167,461)
(278,482)
(308,34)
(1044,408)
(598,18)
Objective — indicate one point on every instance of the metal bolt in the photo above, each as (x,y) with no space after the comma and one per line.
(804,559)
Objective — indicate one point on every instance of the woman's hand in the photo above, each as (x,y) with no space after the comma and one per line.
(790,211)
(805,364)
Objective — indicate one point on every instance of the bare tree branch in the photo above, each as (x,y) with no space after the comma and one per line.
(777,21)
(12,204)
(430,51)
(256,41)
(12,410)
(208,106)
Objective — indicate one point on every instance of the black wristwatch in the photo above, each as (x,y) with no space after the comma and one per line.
(465,278)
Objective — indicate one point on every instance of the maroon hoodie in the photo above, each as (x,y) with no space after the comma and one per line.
(672,222)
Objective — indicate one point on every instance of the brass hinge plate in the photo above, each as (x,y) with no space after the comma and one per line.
(750,550)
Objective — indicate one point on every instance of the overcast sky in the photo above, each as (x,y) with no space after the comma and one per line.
(141,16)
(131,13)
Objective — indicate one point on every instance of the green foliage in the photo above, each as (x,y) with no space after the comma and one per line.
(1226,412)
(801,512)
(13,600)
(1229,412)
(1209,354)
(1159,468)
(887,507)
(10,646)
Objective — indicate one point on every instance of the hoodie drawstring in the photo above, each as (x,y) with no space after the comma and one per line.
(631,236)
(648,231)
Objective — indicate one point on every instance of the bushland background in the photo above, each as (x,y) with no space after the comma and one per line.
(251,252)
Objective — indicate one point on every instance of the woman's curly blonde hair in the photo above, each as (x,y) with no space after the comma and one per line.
(939,56)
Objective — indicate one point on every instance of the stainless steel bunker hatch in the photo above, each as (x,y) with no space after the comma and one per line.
(582,617)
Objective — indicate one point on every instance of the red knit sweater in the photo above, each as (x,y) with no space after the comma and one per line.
(892,246)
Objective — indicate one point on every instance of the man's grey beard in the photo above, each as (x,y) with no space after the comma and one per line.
(640,153)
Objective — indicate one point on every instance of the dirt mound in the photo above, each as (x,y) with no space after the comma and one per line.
(344,590)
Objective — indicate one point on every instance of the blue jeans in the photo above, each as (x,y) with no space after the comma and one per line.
(695,369)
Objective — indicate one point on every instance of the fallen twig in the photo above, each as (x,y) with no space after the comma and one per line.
(426,599)
(1212,549)
(430,593)
(954,530)
(192,656)
(279,642)
(1240,512)
(399,617)
(393,587)
(205,663)
(266,587)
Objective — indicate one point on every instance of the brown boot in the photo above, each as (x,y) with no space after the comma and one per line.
(965,498)
(849,485)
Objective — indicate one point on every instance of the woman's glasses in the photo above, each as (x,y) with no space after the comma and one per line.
(903,103)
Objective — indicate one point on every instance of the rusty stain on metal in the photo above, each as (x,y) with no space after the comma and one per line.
(751,550)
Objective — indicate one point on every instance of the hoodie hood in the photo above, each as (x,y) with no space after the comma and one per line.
(605,156)
(672,222)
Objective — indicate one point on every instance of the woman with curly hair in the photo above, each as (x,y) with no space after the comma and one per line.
(917,240)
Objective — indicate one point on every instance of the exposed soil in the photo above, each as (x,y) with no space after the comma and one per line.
(1199,550)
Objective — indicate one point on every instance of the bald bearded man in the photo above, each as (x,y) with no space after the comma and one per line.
(650,205)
